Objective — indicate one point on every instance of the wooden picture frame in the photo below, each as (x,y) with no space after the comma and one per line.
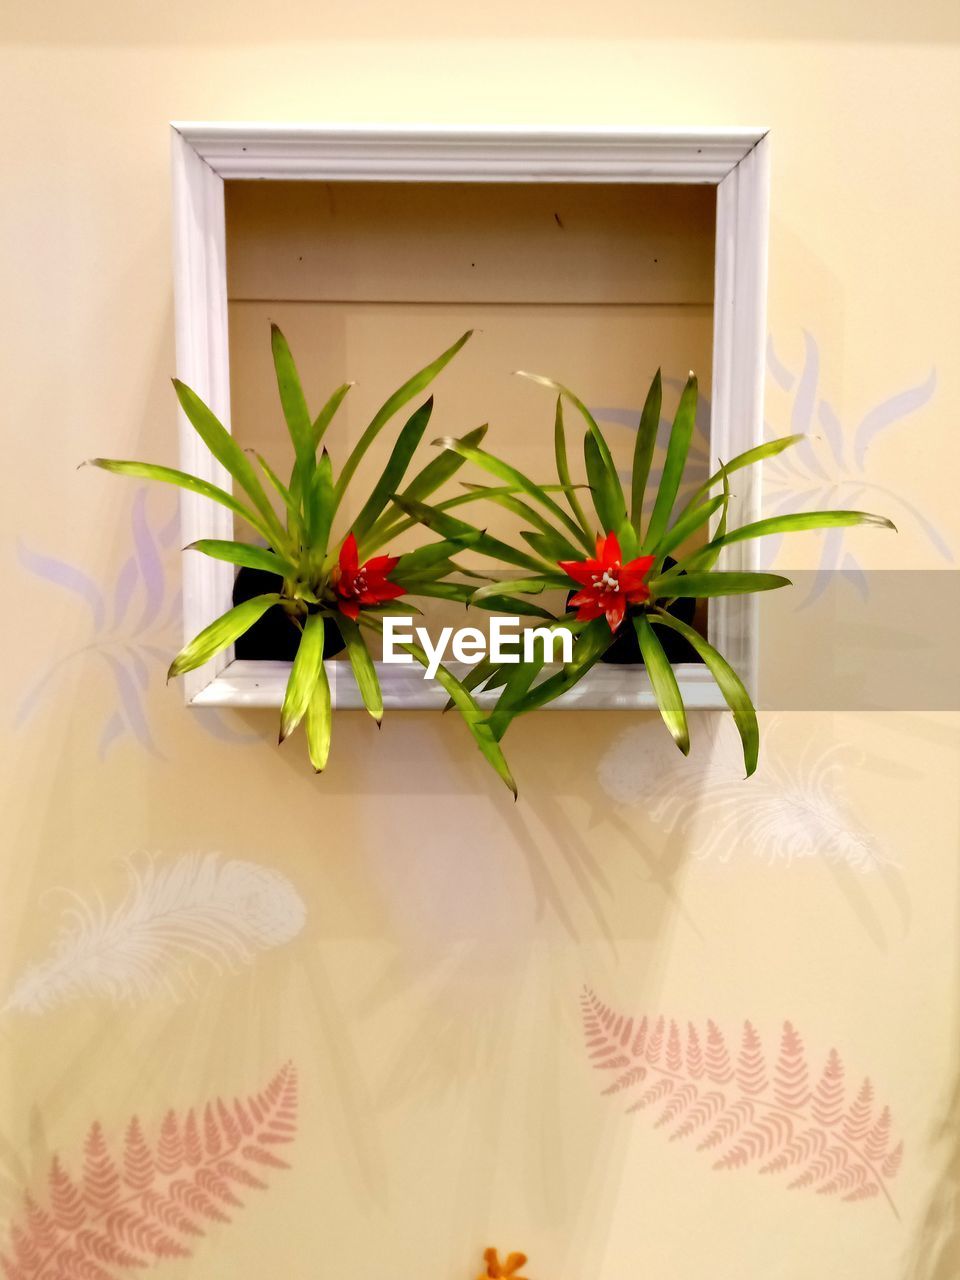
(735,161)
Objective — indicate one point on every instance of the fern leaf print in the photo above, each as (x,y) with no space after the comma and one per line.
(748,1108)
(177,916)
(133,1208)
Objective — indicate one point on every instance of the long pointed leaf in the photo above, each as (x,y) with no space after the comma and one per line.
(292,401)
(664,683)
(708,556)
(294,524)
(319,722)
(326,415)
(605,487)
(393,473)
(580,407)
(643,450)
(449,527)
(442,468)
(685,526)
(524,586)
(228,453)
(563,471)
(473,717)
(414,562)
(319,507)
(563,549)
(747,459)
(183,480)
(594,640)
(221,633)
(799,521)
(304,674)
(678,447)
(717,583)
(731,686)
(514,478)
(412,387)
(243,553)
(364,670)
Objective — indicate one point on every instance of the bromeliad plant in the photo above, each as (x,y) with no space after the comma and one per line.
(616,564)
(326,573)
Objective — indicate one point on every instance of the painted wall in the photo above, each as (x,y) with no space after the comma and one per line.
(412,941)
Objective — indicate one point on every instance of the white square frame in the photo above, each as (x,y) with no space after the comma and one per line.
(735,161)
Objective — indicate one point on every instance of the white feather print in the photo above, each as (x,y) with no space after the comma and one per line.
(784,813)
(176,917)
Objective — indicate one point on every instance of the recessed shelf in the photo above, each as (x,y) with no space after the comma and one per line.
(698,282)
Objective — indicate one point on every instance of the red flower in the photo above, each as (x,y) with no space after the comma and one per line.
(608,586)
(358,584)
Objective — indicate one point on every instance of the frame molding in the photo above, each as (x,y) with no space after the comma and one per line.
(204,155)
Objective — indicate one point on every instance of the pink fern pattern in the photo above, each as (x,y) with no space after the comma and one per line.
(744,1107)
(126,1212)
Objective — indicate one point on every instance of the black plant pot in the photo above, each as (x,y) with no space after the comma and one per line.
(625,650)
(274,637)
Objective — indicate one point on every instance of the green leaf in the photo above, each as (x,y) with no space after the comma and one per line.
(730,685)
(449,527)
(593,642)
(292,401)
(582,409)
(294,525)
(551,547)
(685,526)
(183,480)
(221,633)
(747,459)
(326,416)
(319,506)
(708,556)
(563,470)
(643,450)
(473,717)
(396,467)
(561,548)
(513,479)
(319,722)
(414,562)
(434,589)
(678,447)
(627,537)
(412,387)
(229,454)
(432,477)
(512,605)
(605,487)
(716,583)
(525,586)
(364,671)
(307,665)
(442,468)
(664,683)
(800,521)
(244,554)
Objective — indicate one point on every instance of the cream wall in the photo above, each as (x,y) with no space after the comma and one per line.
(413,941)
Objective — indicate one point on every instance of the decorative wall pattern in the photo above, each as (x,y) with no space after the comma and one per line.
(796,807)
(437,935)
(744,1106)
(178,918)
(133,1204)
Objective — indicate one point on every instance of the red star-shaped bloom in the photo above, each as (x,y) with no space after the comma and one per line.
(609,586)
(366,584)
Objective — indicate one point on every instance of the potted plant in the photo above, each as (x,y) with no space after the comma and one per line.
(326,578)
(616,563)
